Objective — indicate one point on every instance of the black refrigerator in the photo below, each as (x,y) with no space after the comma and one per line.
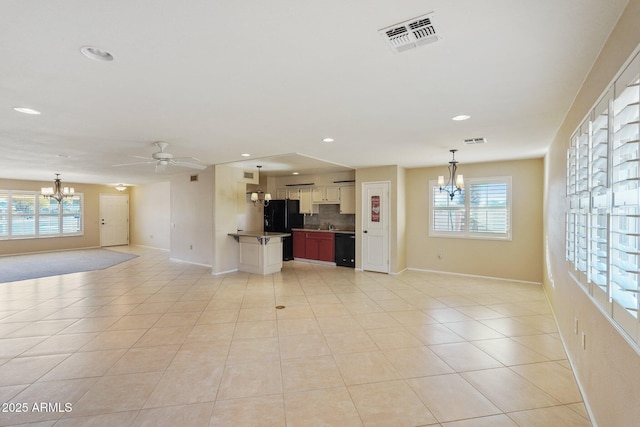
(281,216)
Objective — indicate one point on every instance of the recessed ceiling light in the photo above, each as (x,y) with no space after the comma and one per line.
(96,54)
(328,140)
(26,110)
(245,155)
(295,173)
(461,117)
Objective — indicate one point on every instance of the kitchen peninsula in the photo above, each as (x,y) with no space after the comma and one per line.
(259,252)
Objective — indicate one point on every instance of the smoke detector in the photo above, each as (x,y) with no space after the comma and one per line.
(470,141)
(410,34)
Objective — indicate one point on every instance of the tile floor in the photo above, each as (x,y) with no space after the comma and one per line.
(155,342)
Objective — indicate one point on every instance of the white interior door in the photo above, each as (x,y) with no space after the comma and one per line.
(114,219)
(375,226)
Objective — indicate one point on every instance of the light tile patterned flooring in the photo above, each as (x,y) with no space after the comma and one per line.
(154,342)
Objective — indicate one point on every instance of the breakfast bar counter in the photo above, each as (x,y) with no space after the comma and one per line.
(259,252)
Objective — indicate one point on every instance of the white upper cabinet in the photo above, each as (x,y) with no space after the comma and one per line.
(306,203)
(326,195)
(282,193)
(293,194)
(348,200)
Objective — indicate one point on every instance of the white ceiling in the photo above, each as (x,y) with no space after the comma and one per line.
(219,78)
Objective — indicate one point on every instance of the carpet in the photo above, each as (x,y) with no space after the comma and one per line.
(32,266)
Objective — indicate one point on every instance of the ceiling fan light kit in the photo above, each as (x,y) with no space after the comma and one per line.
(162,159)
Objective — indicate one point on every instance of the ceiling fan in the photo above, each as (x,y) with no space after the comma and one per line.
(162,159)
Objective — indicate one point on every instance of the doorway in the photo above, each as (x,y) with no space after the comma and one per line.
(375,226)
(114,219)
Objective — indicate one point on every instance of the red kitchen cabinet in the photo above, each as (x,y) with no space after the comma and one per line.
(299,243)
(310,247)
(326,248)
(320,246)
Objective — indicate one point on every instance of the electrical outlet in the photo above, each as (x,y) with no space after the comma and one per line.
(440,256)
(584,341)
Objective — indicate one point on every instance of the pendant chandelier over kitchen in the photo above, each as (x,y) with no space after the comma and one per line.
(455,182)
(255,196)
(57,192)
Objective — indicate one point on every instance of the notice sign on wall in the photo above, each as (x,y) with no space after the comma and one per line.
(375,208)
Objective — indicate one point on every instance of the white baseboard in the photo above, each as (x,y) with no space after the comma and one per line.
(475,275)
(190,262)
(150,247)
(219,273)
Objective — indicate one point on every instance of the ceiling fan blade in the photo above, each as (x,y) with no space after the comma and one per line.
(188,165)
(179,159)
(142,157)
(134,163)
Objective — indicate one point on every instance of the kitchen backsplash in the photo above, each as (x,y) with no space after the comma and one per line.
(330,214)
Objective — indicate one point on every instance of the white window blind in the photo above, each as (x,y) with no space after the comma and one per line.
(4,214)
(489,208)
(27,214)
(448,215)
(481,210)
(603,202)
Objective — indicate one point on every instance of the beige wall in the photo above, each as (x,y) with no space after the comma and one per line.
(608,369)
(518,259)
(150,217)
(191,223)
(229,202)
(91,237)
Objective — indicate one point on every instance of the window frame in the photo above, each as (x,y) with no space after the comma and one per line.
(468,209)
(11,214)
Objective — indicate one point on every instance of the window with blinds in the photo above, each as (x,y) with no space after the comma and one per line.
(30,215)
(603,200)
(482,210)
(489,208)
(448,215)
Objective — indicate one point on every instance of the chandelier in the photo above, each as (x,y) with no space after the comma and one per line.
(255,196)
(455,182)
(57,192)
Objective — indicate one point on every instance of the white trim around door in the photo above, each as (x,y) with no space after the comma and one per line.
(375,226)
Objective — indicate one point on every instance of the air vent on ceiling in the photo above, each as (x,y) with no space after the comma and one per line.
(475,141)
(412,33)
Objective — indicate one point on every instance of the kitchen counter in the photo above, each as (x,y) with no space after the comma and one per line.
(259,252)
(258,234)
(335,247)
(324,230)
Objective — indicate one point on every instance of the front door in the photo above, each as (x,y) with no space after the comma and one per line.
(114,219)
(375,226)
